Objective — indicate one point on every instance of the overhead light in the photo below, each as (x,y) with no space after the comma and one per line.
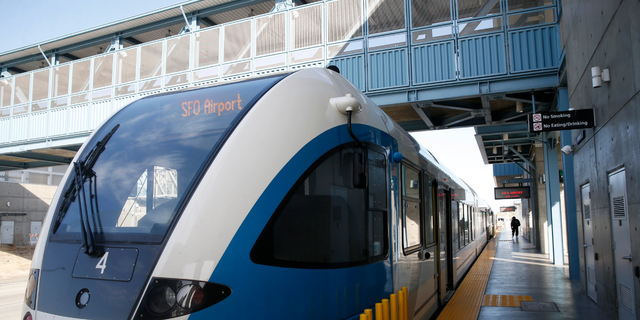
(596,77)
(605,75)
(519,148)
(505,136)
(519,107)
(495,150)
(251,14)
(168,33)
(567,150)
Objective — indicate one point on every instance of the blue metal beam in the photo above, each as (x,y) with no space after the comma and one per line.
(554,212)
(570,208)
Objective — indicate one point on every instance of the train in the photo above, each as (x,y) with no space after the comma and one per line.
(287,196)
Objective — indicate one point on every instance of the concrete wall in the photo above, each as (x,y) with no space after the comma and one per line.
(31,199)
(606,33)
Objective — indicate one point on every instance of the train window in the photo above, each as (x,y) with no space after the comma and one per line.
(454,225)
(430,204)
(324,222)
(411,209)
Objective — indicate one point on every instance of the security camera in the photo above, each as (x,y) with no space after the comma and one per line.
(567,150)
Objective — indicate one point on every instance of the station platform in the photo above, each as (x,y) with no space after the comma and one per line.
(513,280)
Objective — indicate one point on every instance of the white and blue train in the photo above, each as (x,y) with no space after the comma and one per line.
(291,196)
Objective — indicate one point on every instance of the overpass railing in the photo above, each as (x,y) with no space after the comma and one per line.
(379,45)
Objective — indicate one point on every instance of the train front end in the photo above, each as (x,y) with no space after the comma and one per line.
(159,214)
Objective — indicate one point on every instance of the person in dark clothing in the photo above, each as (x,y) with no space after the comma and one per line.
(515,225)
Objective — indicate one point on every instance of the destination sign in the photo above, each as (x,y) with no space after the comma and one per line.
(511,193)
(565,120)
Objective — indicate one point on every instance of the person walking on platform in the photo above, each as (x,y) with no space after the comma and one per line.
(515,225)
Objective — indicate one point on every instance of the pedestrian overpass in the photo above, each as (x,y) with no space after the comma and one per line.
(445,64)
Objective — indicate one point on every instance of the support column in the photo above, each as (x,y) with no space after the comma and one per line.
(552,189)
(569,193)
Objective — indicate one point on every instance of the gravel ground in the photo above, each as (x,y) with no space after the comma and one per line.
(15,262)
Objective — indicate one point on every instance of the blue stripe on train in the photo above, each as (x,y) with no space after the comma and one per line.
(268,292)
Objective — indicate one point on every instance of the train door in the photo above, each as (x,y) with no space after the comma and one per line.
(448,217)
(427,297)
(411,233)
(621,245)
(589,251)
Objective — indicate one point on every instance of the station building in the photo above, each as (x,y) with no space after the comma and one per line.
(431,65)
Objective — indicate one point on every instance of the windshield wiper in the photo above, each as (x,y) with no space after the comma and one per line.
(83,171)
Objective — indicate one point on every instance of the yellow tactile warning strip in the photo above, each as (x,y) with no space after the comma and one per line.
(468,298)
(504,301)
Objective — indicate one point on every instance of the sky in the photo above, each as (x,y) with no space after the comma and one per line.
(36,21)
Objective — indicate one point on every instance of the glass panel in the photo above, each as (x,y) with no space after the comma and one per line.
(176,79)
(205,74)
(124,90)
(412,224)
(81,76)
(21,92)
(385,15)
(237,41)
(477,8)
(38,106)
(461,225)
(126,64)
(434,34)
(377,181)
(271,62)
(341,49)
(270,34)
(207,47)
(20,110)
(411,183)
(376,233)
(102,94)
(532,18)
(102,71)
(61,81)
(386,42)
(81,98)
(306,27)
(177,54)
(60,102)
(6,112)
(344,20)
(525,4)
(480,26)
(155,174)
(425,13)
(430,198)
(151,84)
(151,60)
(5,92)
(236,68)
(306,55)
(40,85)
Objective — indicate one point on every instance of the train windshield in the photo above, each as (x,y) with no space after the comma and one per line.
(132,177)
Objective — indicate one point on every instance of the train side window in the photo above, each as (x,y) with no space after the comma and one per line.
(430,204)
(324,222)
(461,225)
(454,224)
(411,209)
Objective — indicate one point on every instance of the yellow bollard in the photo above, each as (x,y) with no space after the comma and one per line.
(369,313)
(385,309)
(378,311)
(394,307)
(405,307)
(401,298)
(363,317)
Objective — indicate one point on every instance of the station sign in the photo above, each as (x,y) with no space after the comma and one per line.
(511,193)
(565,120)
(508,209)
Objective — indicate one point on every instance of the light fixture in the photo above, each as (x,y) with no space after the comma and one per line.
(251,14)
(567,150)
(605,75)
(596,77)
(8,203)
(495,150)
(519,107)
(168,33)
(519,148)
(100,50)
(505,136)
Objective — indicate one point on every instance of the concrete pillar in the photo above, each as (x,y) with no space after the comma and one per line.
(552,189)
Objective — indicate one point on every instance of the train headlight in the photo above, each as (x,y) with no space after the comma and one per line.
(32,289)
(161,299)
(169,298)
